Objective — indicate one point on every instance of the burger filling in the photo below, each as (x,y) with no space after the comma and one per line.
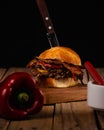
(55,68)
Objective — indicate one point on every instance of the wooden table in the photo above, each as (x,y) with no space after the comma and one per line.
(72,115)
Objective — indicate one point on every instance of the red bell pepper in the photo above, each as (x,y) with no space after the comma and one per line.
(19,96)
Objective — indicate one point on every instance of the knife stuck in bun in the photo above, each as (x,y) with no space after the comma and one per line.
(57,67)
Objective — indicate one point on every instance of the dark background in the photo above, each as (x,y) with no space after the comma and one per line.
(78,25)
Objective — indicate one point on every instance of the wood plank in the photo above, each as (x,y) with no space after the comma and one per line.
(4,124)
(85,76)
(40,121)
(100,117)
(85,116)
(2,72)
(60,95)
(74,116)
(15,69)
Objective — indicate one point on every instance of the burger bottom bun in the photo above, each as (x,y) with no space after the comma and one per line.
(58,83)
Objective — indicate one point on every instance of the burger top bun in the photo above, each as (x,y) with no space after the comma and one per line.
(64,54)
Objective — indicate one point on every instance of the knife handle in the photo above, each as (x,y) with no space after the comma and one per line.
(51,35)
(45,15)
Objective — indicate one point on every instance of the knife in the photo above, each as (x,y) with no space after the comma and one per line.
(51,35)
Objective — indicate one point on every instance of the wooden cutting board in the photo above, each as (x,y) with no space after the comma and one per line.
(59,95)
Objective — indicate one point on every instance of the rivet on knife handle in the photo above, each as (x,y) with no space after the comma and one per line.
(51,35)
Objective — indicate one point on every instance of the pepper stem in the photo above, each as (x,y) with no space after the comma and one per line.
(23,97)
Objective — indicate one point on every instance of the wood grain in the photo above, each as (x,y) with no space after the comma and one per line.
(2,73)
(60,95)
(74,116)
(40,121)
(100,119)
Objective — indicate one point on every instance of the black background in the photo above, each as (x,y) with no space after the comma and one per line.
(78,25)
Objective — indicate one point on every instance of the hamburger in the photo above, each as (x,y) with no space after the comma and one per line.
(57,67)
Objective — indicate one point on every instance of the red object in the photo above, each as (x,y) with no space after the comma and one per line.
(19,96)
(95,75)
